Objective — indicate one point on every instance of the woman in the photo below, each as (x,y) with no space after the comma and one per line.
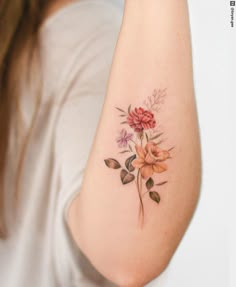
(132,156)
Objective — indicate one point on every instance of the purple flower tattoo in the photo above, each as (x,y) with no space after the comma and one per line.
(124,138)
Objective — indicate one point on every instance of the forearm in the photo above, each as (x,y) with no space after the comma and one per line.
(153,53)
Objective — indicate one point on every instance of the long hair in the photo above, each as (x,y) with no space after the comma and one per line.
(20,21)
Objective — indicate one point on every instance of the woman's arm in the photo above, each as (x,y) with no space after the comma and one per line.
(141,183)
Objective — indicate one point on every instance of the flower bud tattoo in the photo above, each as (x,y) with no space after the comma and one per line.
(141,138)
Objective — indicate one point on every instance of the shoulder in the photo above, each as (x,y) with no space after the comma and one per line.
(79,37)
(83,17)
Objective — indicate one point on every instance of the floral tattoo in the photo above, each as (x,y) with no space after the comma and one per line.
(142,139)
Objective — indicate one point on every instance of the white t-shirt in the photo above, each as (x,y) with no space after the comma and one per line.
(78,43)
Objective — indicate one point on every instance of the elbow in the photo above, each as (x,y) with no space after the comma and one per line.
(138,277)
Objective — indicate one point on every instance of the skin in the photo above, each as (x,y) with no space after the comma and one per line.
(153,51)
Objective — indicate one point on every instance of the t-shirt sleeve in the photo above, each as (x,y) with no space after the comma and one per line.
(74,136)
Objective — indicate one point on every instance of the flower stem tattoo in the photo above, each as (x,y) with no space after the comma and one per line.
(142,139)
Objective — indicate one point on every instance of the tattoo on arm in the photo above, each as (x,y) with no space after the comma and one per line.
(141,138)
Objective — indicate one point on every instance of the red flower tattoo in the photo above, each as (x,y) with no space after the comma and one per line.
(140,119)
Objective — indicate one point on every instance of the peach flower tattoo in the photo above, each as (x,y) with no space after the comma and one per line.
(142,139)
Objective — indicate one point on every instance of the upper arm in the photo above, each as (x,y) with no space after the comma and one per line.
(104,219)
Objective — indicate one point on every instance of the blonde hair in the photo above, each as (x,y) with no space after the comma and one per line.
(20,21)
